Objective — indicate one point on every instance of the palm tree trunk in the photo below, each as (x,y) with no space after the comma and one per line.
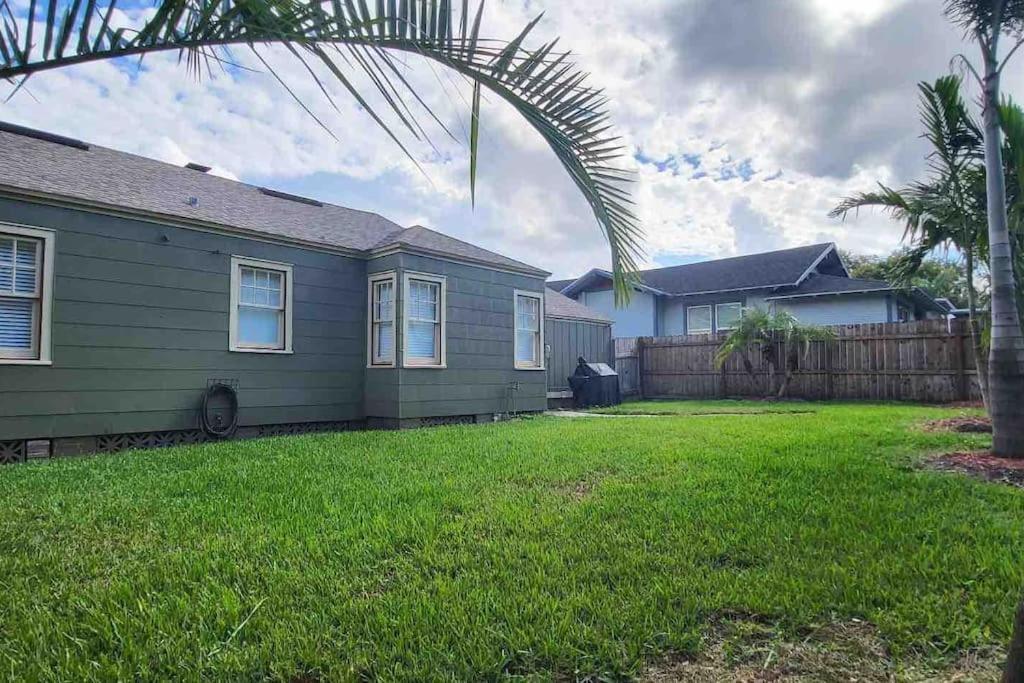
(749,367)
(980,358)
(1014,670)
(1006,356)
(791,360)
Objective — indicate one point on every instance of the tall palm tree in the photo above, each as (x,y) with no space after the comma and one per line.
(986,22)
(346,36)
(943,211)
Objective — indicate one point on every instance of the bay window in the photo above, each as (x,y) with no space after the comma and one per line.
(261,306)
(529,331)
(382,320)
(424,333)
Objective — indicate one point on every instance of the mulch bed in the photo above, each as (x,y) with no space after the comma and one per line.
(978,425)
(984,465)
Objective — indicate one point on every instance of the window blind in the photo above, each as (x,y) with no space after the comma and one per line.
(20,296)
(423,321)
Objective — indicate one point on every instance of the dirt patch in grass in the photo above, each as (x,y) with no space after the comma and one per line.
(750,651)
(983,465)
(581,489)
(964,424)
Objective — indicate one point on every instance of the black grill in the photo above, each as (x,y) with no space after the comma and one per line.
(594,384)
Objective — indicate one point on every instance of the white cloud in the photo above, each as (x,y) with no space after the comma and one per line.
(667,107)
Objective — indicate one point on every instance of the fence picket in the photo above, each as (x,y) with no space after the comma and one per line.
(927,360)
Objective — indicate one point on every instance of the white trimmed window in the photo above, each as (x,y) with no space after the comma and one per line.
(698,319)
(26,294)
(529,341)
(261,306)
(424,333)
(382,320)
(727,316)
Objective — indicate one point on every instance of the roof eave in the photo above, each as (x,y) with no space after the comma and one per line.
(580,283)
(809,295)
(402,247)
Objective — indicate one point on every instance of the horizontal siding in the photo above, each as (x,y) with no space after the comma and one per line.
(480,347)
(140,326)
(838,310)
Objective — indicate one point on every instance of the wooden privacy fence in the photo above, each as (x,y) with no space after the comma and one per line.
(929,361)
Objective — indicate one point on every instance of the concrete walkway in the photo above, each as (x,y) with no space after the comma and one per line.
(576,413)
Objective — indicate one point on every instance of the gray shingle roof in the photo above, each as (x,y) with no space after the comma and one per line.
(112,179)
(754,271)
(818,285)
(769,269)
(560,306)
(431,240)
(559,285)
(831,284)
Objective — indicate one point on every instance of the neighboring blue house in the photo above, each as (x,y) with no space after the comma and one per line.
(810,282)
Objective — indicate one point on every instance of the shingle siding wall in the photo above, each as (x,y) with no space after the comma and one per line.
(480,340)
(140,324)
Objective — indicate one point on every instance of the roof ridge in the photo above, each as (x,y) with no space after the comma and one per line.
(822,245)
(92,146)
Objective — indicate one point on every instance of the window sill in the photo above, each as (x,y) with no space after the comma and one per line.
(530,368)
(380,366)
(279,352)
(415,366)
(24,361)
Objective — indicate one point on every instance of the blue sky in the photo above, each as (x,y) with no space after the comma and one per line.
(745,122)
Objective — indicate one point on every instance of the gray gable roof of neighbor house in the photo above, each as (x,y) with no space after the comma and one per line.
(754,271)
(560,306)
(826,285)
(559,285)
(105,178)
(831,284)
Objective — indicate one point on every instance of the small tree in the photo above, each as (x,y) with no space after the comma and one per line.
(779,337)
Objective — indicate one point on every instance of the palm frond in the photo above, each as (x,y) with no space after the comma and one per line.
(543,84)
(974,15)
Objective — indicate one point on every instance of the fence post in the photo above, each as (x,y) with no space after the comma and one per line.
(723,386)
(830,390)
(640,343)
(963,388)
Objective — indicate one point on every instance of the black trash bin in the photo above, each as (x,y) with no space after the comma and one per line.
(594,384)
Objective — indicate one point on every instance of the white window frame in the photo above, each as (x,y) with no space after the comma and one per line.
(237,263)
(42,344)
(711,322)
(442,319)
(539,296)
(718,327)
(372,281)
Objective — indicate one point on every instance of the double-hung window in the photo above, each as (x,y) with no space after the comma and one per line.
(728,316)
(698,319)
(529,339)
(261,306)
(382,320)
(424,310)
(26,281)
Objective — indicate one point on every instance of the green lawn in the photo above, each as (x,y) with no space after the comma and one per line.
(548,547)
